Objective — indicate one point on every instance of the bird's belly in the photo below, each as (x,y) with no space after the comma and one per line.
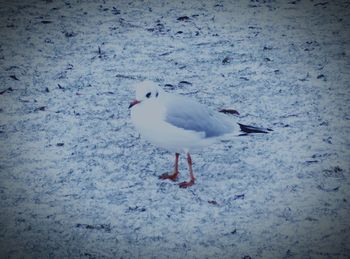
(166,136)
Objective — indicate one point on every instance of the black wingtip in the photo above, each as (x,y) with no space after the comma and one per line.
(252,129)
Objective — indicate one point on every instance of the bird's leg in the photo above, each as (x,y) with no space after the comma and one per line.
(173,176)
(191,182)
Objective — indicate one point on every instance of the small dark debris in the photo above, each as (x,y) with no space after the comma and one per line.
(179,32)
(47,89)
(60,87)
(213,202)
(311,161)
(226,60)
(169,86)
(337,169)
(46,22)
(105,227)
(321,76)
(165,53)
(6,90)
(70,34)
(254,27)
(115,11)
(238,196)
(328,140)
(14,77)
(136,208)
(183,18)
(125,76)
(184,83)
(234,231)
(267,59)
(244,78)
(311,219)
(42,108)
(322,188)
(267,48)
(311,45)
(229,111)
(60,144)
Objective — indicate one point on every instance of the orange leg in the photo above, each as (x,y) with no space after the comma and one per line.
(173,176)
(191,182)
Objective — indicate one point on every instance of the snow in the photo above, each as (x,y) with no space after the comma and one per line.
(77,181)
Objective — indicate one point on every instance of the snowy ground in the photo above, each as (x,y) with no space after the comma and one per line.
(77,181)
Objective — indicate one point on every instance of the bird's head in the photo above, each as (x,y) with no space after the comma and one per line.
(146,91)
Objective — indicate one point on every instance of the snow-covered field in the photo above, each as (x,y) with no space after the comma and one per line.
(77,181)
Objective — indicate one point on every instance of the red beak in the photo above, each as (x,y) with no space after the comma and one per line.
(134,102)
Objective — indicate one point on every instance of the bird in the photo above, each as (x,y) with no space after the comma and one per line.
(179,124)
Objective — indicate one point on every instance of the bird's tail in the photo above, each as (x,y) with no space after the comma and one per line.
(252,129)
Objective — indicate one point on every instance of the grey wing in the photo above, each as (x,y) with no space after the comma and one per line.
(184,113)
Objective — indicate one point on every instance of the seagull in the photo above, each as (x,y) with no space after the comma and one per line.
(179,124)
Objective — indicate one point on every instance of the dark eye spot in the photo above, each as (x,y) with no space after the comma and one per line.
(148,95)
(157,94)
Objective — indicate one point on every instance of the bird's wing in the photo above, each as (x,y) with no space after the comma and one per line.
(187,114)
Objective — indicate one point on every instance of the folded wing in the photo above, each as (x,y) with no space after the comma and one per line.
(187,114)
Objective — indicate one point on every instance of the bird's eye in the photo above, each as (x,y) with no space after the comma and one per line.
(157,94)
(148,95)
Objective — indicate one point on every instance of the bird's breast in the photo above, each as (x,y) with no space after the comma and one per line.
(146,117)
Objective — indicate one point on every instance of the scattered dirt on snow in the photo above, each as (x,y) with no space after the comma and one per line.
(77,181)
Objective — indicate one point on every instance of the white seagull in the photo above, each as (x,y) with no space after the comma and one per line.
(179,124)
